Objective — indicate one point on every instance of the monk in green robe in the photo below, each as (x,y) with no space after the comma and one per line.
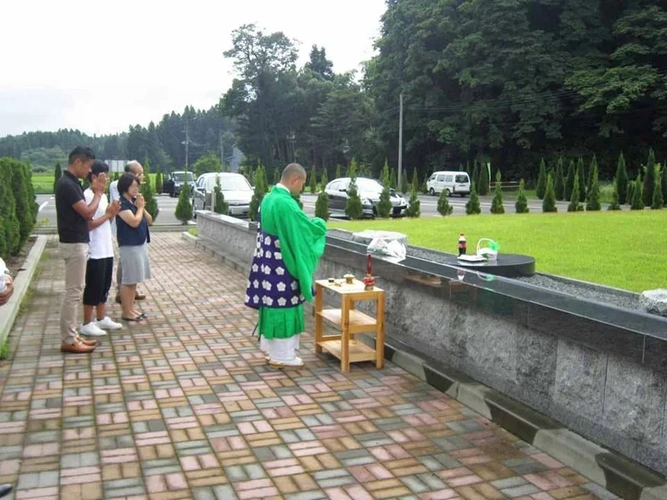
(289,246)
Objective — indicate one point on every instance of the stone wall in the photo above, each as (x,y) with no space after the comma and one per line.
(606,382)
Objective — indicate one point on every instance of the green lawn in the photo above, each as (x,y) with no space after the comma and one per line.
(621,249)
(43,183)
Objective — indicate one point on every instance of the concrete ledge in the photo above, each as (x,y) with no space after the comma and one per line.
(210,248)
(10,310)
(614,472)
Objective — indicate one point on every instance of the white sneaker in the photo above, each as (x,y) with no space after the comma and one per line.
(108,324)
(92,330)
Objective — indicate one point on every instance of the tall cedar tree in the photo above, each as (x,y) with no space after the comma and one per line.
(353,208)
(541,187)
(484,180)
(658,201)
(147,191)
(58,174)
(472,206)
(614,205)
(569,180)
(582,180)
(8,215)
(631,191)
(404,183)
(521,204)
(384,205)
(593,200)
(475,174)
(664,181)
(392,179)
(322,205)
(24,204)
(638,195)
(414,184)
(559,184)
(589,181)
(313,180)
(574,198)
(260,190)
(324,180)
(497,202)
(549,201)
(184,207)
(649,179)
(414,209)
(622,180)
(221,206)
(444,207)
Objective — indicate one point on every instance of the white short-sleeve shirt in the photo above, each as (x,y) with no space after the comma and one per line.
(101,242)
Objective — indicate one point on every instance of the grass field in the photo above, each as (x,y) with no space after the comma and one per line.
(43,183)
(621,249)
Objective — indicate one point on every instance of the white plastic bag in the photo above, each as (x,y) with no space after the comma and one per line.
(391,250)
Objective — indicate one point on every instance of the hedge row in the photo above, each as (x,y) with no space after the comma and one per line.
(18,210)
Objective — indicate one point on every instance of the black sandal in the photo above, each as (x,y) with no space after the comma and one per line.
(137,319)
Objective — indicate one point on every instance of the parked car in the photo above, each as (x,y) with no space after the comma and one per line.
(235,188)
(173,185)
(369,191)
(451,182)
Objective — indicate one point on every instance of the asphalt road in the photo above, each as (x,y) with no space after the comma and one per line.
(429,204)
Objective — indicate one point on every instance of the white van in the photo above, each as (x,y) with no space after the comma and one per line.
(451,182)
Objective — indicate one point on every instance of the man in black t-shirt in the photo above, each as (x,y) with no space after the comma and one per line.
(73,214)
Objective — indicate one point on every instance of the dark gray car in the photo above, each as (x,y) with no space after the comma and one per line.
(369,191)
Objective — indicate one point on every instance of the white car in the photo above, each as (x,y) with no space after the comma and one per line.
(235,188)
(451,182)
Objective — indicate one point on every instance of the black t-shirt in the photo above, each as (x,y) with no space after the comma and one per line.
(72,228)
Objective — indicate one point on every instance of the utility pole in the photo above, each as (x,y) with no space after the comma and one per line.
(400,143)
(187,144)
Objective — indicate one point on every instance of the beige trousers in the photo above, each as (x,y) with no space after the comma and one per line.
(76,259)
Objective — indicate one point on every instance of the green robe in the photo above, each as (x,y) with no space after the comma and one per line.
(301,242)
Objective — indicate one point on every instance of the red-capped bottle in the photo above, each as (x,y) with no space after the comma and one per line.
(462,244)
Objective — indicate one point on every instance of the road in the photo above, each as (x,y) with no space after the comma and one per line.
(428,204)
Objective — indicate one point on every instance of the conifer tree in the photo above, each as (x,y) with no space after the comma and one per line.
(414,209)
(622,180)
(472,206)
(649,179)
(353,207)
(593,201)
(444,207)
(384,205)
(589,181)
(569,181)
(549,201)
(497,202)
(322,205)
(614,205)
(184,207)
(637,195)
(521,204)
(559,183)
(582,180)
(313,180)
(483,189)
(574,197)
(159,181)
(657,202)
(261,187)
(58,174)
(541,186)
(147,190)
(221,206)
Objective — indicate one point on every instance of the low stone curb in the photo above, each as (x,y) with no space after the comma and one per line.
(10,310)
(612,471)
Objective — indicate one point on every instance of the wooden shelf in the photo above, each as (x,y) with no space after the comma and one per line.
(358,350)
(359,322)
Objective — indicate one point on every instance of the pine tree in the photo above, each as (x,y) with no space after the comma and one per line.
(384,205)
(549,201)
(559,184)
(589,181)
(614,205)
(649,179)
(12,235)
(392,179)
(313,180)
(472,206)
(338,171)
(149,194)
(631,192)
(184,207)
(158,182)
(221,206)
(664,181)
(574,197)
(497,202)
(404,183)
(637,195)
(521,205)
(414,184)
(593,201)
(541,187)
(658,201)
(261,187)
(324,180)
(569,181)
(582,180)
(414,209)
(58,175)
(622,180)
(353,208)
(322,205)
(444,208)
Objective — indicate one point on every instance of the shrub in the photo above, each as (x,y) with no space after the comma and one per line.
(444,208)
(322,205)
(649,179)
(574,196)
(622,180)
(184,207)
(12,233)
(582,180)
(541,187)
(472,206)
(614,205)
(497,202)
(521,204)
(657,202)
(221,206)
(353,208)
(57,175)
(261,188)
(569,181)
(158,182)
(147,191)
(483,188)
(637,195)
(414,209)
(549,201)
(313,179)
(593,202)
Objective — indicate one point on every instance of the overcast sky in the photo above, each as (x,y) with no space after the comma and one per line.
(101,66)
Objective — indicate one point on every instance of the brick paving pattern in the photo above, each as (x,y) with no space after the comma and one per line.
(184,406)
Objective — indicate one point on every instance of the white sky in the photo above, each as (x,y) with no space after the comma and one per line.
(101,66)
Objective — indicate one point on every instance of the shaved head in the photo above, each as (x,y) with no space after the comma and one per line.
(292,170)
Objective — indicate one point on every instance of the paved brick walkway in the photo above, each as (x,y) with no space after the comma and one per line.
(183,406)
